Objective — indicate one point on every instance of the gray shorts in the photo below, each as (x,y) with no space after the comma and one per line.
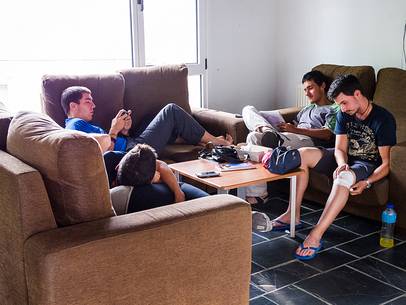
(327,165)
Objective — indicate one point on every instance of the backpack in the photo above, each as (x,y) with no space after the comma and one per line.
(284,160)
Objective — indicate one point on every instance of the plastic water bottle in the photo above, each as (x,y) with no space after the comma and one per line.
(388,226)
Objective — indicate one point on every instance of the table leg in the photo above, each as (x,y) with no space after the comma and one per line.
(241,193)
(292,200)
(178,177)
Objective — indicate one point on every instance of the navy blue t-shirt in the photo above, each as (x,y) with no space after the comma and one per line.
(364,137)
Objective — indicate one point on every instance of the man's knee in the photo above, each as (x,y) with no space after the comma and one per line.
(254,138)
(345,178)
(247,109)
(310,156)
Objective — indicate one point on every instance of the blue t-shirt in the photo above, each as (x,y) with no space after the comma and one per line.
(82,125)
(364,137)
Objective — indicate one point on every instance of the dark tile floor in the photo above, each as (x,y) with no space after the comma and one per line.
(352,269)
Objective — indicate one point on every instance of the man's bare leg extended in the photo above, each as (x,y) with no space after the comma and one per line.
(220,140)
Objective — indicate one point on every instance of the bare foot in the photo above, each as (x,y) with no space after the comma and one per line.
(256,200)
(220,140)
(308,243)
(284,218)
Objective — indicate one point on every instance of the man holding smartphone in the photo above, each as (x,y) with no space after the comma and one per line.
(170,125)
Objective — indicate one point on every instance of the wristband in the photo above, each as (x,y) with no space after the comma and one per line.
(369,184)
(113,138)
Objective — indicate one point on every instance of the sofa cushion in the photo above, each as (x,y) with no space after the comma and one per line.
(70,162)
(107,92)
(365,74)
(5,119)
(149,89)
(391,94)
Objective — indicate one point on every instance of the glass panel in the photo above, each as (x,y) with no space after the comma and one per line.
(195,92)
(170,29)
(46,36)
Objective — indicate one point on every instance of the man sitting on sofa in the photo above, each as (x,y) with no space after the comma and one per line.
(365,133)
(143,182)
(171,124)
(315,126)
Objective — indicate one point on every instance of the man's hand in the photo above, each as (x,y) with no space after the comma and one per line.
(179,196)
(343,167)
(358,187)
(117,124)
(128,123)
(288,127)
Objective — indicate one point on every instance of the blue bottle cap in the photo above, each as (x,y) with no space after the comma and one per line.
(390,205)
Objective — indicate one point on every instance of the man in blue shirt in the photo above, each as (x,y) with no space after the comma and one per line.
(170,125)
(365,133)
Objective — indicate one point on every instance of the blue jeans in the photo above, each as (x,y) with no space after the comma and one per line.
(151,195)
(170,123)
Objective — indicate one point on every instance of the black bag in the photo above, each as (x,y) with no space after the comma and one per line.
(284,160)
(221,154)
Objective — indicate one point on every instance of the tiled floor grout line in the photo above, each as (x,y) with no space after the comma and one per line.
(345,229)
(313,295)
(393,299)
(366,274)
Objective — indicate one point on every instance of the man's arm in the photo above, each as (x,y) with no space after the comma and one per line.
(104,140)
(380,172)
(318,133)
(168,177)
(340,153)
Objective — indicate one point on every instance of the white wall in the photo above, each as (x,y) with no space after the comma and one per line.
(347,32)
(241,53)
(259,50)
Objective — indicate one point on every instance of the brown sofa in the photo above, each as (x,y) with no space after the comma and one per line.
(389,91)
(145,91)
(61,242)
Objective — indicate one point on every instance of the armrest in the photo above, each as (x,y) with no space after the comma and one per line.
(397,176)
(289,114)
(177,254)
(220,122)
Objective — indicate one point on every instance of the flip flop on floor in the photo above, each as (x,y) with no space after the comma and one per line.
(283,226)
(311,256)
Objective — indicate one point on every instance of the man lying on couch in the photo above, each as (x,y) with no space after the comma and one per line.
(171,124)
(167,125)
(365,133)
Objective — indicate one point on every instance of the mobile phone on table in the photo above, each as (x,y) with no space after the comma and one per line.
(208,174)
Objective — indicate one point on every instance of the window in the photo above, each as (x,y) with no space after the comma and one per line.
(94,36)
(47,36)
(170,32)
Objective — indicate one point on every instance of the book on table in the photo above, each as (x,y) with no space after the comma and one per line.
(226,167)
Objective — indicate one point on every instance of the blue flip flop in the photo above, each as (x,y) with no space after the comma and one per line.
(311,256)
(285,226)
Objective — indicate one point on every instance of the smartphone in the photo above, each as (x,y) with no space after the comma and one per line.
(208,174)
(124,112)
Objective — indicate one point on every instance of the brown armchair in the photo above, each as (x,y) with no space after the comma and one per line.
(61,242)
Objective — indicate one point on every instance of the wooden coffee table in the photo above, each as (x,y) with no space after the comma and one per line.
(236,180)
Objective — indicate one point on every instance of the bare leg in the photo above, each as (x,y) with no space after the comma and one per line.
(207,137)
(335,203)
(310,157)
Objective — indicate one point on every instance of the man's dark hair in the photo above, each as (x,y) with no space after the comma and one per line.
(318,77)
(137,167)
(346,84)
(72,94)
